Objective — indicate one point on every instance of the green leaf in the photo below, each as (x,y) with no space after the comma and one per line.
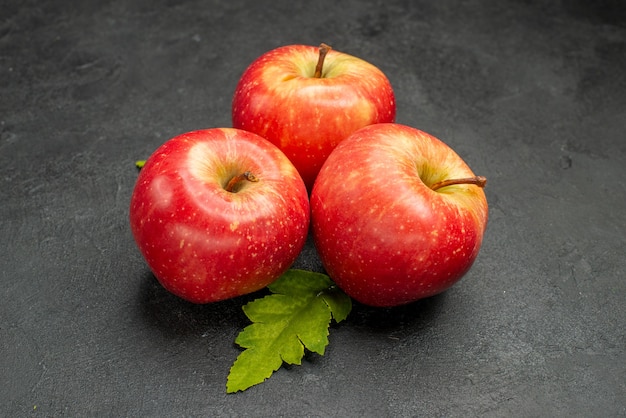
(339,303)
(295,316)
(140,163)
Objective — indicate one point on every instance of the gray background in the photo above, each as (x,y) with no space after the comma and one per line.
(532,94)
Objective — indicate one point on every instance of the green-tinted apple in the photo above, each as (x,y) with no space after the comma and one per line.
(397,215)
(306,100)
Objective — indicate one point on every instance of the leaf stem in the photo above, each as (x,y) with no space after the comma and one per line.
(324,49)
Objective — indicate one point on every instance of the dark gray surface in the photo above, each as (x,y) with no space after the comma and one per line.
(532,94)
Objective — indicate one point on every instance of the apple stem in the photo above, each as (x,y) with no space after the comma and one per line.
(235,183)
(479,181)
(324,49)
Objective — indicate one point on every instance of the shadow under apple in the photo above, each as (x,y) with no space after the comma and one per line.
(396,320)
(176,317)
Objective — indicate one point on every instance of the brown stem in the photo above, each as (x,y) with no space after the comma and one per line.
(324,49)
(479,181)
(236,182)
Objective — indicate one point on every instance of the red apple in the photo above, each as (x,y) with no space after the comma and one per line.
(218,213)
(306,99)
(397,215)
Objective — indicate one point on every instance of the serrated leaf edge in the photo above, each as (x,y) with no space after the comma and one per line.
(321,295)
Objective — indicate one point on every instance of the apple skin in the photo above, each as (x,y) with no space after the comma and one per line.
(204,243)
(278,98)
(383,235)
